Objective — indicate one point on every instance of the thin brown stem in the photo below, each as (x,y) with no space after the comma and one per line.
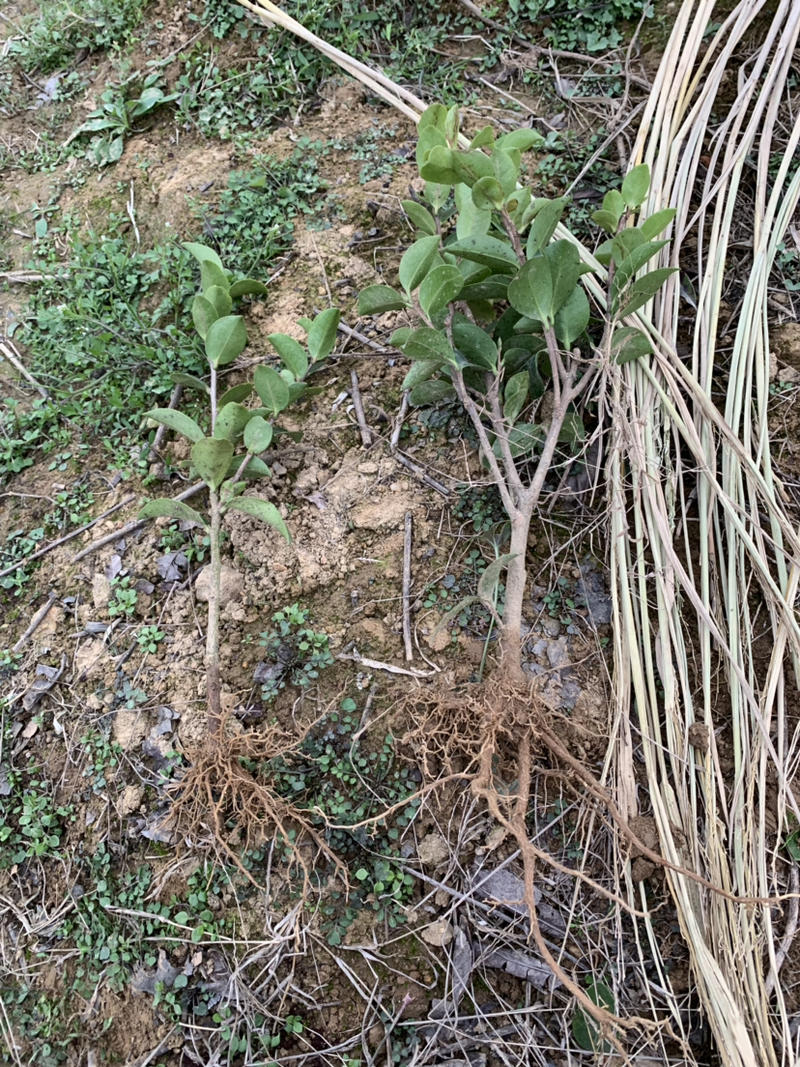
(213,679)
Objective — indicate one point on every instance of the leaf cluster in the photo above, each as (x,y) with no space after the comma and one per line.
(230,455)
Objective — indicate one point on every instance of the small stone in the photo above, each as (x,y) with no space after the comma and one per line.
(433,849)
(101,591)
(368,468)
(230,585)
(439,933)
(130,799)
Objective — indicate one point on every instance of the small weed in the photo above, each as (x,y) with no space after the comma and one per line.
(102,760)
(298,653)
(123,598)
(117,117)
(32,826)
(60,29)
(149,638)
(561,604)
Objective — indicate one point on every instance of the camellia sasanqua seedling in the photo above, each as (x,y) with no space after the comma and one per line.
(227,455)
(507,323)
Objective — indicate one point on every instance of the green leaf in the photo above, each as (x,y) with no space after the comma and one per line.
(487,193)
(439,165)
(428,344)
(573,317)
(416,261)
(211,458)
(657,223)
(495,287)
(628,344)
(257,435)
(531,292)
(430,392)
(225,340)
(487,584)
(482,138)
(177,421)
(256,468)
(471,166)
(514,395)
(231,420)
(471,221)
(322,334)
(565,270)
(438,288)
(263,510)
(544,225)
(170,509)
(492,252)
(211,274)
(521,139)
(505,166)
(400,336)
(584,1029)
(248,287)
(420,372)
(523,439)
(189,380)
(202,253)
(236,394)
(220,298)
(572,430)
(271,388)
(203,314)
(635,185)
(376,299)
(605,220)
(419,216)
(644,289)
(475,345)
(291,352)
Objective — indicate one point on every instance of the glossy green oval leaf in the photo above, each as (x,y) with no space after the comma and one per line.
(225,340)
(419,216)
(430,392)
(438,165)
(400,337)
(263,510)
(522,140)
(471,221)
(202,253)
(474,345)
(212,274)
(544,225)
(257,435)
(515,394)
(236,394)
(211,457)
(248,287)
(420,372)
(322,334)
(657,223)
(505,165)
(531,292)
(628,344)
(438,288)
(487,193)
(425,343)
(416,261)
(635,186)
(492,252)
(231,421)
(643,289)
(376,299)
(271,388)
(203,314)
(630,264)
(573,317)
(605,220)
(171,509)
(292,353)
(566,268)
(220,298)
(191,381)
(177,421)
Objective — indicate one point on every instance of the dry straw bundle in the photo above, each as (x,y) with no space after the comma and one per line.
(704,555)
